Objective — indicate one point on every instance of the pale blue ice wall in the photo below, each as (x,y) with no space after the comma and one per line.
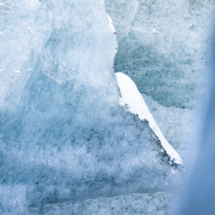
(54,53)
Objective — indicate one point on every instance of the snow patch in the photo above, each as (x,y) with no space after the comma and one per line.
(131,98)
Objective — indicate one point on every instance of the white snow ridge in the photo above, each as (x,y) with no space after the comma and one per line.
(131,97)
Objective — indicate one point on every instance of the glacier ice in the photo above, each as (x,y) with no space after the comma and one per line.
(64,137)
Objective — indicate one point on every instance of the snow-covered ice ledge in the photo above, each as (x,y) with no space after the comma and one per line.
(133,100)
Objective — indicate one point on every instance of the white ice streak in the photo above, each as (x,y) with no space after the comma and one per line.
(131,97)
(111,24)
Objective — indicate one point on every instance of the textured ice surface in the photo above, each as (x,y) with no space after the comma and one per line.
(128,204)
(64,137)
(164,50)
